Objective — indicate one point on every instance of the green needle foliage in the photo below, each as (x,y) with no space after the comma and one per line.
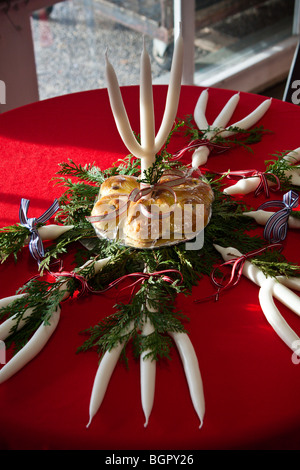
(12,240)
(278,166)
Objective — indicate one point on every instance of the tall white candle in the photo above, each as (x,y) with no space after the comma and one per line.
(147,121)
(251,119)
(119,112)
(173,95)
(224,116)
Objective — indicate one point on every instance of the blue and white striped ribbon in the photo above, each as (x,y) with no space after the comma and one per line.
(276,227)
(36,247)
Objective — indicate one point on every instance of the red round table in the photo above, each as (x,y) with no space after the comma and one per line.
(251,384)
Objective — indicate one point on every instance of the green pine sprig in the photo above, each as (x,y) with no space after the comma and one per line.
(278,166)
(42,299)
(12,240)
(155,301)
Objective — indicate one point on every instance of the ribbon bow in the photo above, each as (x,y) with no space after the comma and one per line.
(276,227)
(136,194)
(263,185)
(236,271)
(36,247)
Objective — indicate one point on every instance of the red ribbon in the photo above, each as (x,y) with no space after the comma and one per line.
(263,185)
(236,271)
(200,143)
(141,278)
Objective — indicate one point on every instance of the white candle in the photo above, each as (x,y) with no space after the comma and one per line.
(293,156)
(147,121)
(148,374)
(102,378)
(103,375)
(247,185)
(262,217)
(42,334)
(173,95)
(31,349)
(192,372)
(243,186)
(119,112)
(274,317)
(201,154)
(52,231)
(225,115)
(251,119)
(199,111)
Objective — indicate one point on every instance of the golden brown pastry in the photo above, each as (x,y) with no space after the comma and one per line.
(190,215)
(148,220)
(121,184)
(111,210)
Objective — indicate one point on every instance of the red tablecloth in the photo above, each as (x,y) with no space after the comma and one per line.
(251,385)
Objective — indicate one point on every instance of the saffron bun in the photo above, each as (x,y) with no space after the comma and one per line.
(147,221)
(190,206)
(107,209)
(190,216)
(194,186)
(121,184)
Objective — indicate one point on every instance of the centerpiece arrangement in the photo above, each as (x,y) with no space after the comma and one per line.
(141,226)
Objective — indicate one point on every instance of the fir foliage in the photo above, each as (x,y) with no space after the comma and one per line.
(278,166)
(12,240)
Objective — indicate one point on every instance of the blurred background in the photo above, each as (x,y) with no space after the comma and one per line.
(50,48)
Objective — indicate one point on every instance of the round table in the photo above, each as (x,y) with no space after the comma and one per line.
(251,384)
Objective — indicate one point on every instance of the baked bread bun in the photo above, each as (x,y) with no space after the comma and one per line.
(147,221)
(121,184)
(107,208)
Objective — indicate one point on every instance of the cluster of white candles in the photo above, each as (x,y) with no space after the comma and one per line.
(218,126)
(279,287)
(150,144)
